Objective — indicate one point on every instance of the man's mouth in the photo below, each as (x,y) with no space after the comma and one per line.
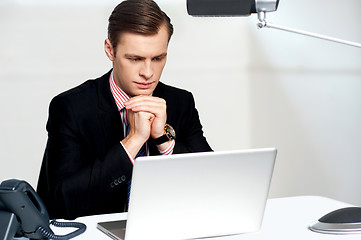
(144,85)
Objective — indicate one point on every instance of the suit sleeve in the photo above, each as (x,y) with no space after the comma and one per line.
(190,136)
(74,181)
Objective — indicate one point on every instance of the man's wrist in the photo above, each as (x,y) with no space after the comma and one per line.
(132,146)
(166,148)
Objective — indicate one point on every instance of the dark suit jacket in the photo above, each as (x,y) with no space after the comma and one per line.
(85,169)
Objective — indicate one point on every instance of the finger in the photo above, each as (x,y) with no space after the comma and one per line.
(154,105)
(155,109)
(141,100)
(139,117)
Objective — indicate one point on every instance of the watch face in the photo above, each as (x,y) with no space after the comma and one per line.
(169,131)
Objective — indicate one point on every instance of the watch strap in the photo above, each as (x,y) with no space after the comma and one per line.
(161,139)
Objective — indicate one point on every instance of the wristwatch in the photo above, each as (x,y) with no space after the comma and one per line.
(169,134)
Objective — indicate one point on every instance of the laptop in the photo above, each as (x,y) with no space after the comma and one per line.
(196,195)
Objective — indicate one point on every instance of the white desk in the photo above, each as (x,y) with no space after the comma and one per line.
(285,218)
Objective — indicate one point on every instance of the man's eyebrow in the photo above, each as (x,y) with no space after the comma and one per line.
(130,55)
(162,55)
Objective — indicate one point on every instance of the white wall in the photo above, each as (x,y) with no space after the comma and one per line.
(305,98)
(299,94)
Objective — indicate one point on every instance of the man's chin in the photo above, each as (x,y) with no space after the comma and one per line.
(146,92)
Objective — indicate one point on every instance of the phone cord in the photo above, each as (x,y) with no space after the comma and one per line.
(49,235)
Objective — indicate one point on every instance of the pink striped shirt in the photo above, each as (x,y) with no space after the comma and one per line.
(120,98)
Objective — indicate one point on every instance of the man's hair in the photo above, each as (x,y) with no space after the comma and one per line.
(137,16)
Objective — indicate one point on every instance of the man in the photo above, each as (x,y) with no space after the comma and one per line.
(96,130)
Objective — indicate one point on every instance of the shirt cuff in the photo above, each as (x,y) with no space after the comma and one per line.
(169,149)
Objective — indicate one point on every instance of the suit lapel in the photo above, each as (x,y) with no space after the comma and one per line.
(108,113)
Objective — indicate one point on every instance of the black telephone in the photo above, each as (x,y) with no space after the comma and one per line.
(23,214)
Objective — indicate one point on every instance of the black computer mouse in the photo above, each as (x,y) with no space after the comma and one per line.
(341,221)
(343,215)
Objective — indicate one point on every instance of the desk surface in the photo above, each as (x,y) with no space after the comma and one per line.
(285,218)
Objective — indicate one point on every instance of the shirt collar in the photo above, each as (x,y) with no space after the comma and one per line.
(119,95)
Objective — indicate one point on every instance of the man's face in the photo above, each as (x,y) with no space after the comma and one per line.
(139,61)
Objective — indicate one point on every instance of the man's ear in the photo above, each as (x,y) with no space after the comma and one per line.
(109,51)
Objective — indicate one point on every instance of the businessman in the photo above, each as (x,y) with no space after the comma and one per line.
(97,129)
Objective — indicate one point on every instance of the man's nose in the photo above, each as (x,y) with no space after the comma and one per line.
(146,70)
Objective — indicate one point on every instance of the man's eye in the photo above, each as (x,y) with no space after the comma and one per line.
(157,59)
(134,59)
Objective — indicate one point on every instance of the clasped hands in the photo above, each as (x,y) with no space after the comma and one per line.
(146,118)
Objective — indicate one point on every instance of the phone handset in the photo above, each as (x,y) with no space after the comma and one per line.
(25,213)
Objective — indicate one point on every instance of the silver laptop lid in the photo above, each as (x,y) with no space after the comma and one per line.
(199,194)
